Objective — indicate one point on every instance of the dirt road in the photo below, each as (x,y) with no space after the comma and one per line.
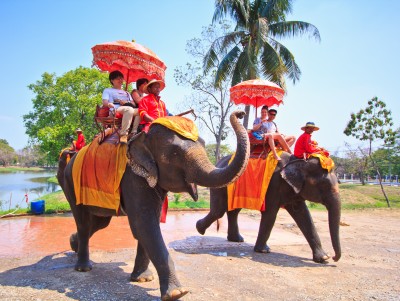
(214,269)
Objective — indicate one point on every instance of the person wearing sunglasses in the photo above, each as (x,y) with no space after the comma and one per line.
(273,128)
(263,127)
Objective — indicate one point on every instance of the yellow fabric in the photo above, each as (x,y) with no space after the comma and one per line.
(97,173)
(250,189)
(326,162)
(181,125)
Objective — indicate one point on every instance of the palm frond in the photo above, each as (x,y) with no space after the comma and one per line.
(210,60)
(292,29)
(293,70)
(239,73)
(276,10)
(262,33)
(227,64)
(237,9)
(232,38)
(271,62)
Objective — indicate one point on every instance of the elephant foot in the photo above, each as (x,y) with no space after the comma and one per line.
(320,257)
(264,250)
(235,237)
(200,228)
(73,242)
(145,276)
(174,294)
(84,266)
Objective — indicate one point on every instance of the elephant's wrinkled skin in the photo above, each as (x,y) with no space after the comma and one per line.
(165,161)
(293,182)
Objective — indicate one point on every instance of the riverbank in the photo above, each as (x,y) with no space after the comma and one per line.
(20,168)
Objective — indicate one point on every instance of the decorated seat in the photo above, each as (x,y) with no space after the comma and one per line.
(104,121)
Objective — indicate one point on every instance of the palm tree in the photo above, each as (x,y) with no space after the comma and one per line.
(252,48)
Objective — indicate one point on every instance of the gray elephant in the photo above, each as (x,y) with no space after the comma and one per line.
(293,182)
(160,161)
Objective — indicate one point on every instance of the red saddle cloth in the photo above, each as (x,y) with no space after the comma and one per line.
(97,172)
(251,187)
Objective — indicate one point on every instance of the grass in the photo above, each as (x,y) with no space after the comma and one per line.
(353,196)
(17,168)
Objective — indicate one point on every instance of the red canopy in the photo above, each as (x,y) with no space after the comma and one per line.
(132,59)
(257,92)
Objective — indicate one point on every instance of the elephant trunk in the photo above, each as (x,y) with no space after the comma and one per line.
(206,174)
(334,224)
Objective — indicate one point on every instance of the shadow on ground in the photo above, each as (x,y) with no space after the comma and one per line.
(107,281)
(221,247)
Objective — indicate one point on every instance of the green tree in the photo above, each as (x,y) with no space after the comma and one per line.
(253,48)
(61,105)
(212,104)
(7,153)
(372,124)
(224,151)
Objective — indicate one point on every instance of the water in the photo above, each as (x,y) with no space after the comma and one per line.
(14,186)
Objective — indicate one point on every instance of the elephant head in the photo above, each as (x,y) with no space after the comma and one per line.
(313,183)
(178,164)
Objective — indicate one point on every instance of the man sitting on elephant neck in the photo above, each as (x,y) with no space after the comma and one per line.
(262,127)
(151,106)
(305,146)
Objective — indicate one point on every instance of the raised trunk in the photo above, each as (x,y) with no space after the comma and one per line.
(210,176)
(334,223)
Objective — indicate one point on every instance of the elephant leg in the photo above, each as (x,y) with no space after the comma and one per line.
(303,219)
(146,228)
(98,224)
(141,272)
(233,228)
(267,222)
(85,230)
(218,207)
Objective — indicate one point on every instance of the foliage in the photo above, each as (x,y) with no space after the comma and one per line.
(211,150)
(211,103)
(371,124)
(7,153)
(253,49)
(31,156)
(62,104)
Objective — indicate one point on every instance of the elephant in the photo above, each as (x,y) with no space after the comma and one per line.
(159,161)
(293,182)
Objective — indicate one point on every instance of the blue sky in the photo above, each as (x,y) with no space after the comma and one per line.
(355,60)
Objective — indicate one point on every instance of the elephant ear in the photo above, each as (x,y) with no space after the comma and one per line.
(141,160)
(294,175)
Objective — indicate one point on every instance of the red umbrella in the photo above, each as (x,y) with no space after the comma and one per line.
(132,59)
(257,92)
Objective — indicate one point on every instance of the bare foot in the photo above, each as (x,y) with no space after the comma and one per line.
(277,158)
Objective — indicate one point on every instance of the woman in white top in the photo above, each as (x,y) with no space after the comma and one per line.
(121,101)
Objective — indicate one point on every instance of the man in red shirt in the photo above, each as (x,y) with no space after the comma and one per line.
(304,145)
(80,142)
(151,106)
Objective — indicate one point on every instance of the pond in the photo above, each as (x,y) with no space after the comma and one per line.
(15,185)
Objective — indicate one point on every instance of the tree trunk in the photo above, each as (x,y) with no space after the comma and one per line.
(246,117)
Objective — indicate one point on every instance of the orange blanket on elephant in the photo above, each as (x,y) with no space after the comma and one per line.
(250,189)
(326,162)
(97,173)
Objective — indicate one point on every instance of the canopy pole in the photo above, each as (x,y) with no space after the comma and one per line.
(127,81)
